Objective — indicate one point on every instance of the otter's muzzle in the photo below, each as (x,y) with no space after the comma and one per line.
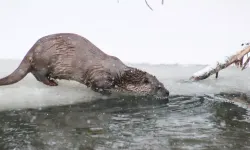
(162,93)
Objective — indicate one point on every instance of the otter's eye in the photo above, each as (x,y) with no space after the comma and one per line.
(146,81)
(159,87)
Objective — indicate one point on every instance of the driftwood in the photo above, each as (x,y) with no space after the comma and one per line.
(236,59)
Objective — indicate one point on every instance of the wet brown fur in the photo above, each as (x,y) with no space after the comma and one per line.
(70,56)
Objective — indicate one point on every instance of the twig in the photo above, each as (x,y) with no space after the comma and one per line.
(245,64)
(162,2)
(148,5)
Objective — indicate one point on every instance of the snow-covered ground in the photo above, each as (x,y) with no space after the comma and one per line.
(30,93)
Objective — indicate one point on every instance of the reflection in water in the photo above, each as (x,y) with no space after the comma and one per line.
(186,122)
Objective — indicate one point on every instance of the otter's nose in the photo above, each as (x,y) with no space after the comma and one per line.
(167,93)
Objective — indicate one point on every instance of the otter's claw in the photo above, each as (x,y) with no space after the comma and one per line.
(50,82)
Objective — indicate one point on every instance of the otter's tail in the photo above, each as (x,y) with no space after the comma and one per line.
(22,70)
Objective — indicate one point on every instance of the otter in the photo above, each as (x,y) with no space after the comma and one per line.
(69,56)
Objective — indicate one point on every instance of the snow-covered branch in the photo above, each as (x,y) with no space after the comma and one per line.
(236,59)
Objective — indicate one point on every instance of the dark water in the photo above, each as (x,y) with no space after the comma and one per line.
(185,122)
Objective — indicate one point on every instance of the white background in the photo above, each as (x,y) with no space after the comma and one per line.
(180,31)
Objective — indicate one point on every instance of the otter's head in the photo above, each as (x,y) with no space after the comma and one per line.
(135,81)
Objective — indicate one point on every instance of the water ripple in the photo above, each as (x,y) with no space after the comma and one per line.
(183,122)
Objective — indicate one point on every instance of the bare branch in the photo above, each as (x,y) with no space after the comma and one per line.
(162,2)
(148,5)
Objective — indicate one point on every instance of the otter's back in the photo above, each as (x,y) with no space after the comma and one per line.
(70,55)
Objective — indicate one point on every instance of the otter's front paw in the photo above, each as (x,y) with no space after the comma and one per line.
(102,85)
(102,91)
(105,92)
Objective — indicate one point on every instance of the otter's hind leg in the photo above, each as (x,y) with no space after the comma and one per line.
(45,79)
